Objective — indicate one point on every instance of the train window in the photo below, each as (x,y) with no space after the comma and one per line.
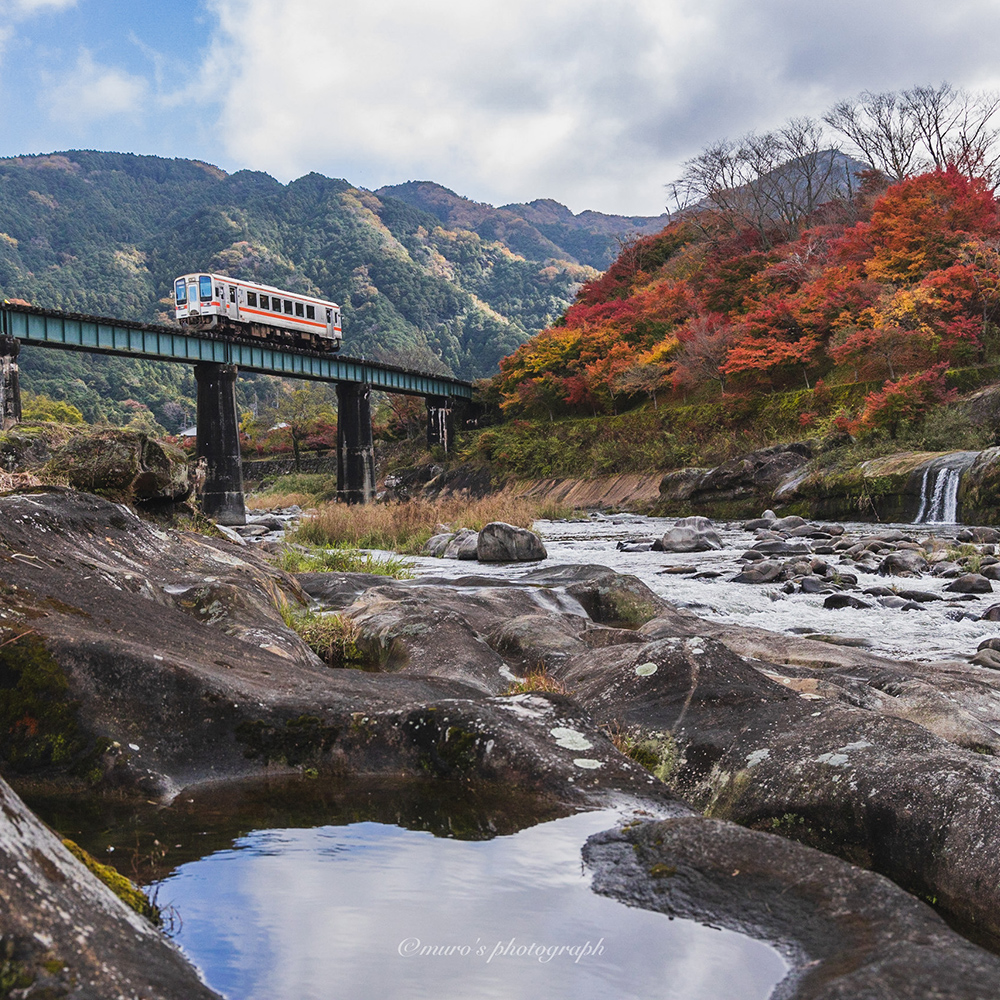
(275,304)
(220,292)
(329,315)
(232,293)
(299,310)
(251,298)
(265,302)
(181,291)
(310,312)
(205,287)
(288,307)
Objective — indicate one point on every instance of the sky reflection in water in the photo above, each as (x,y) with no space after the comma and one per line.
(318,914)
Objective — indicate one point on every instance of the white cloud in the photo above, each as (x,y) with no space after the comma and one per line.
(90,92)
(594,102)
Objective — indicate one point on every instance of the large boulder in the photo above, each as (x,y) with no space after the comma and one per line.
(501,542)
(681,484)
(122,465)
(690,534)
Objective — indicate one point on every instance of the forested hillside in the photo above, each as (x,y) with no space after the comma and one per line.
(106,233)
(790,265)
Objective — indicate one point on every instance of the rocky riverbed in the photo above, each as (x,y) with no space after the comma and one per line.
(836,802)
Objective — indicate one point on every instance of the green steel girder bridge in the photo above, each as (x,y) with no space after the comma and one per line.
(216,362)
(52,328)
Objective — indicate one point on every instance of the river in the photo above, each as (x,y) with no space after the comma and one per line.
(928,634)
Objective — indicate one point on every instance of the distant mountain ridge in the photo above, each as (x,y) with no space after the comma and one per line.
(429,280)
(538,228)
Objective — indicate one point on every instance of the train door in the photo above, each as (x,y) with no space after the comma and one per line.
(232,307)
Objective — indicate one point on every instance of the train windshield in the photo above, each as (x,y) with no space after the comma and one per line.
(205,287)
(181,290)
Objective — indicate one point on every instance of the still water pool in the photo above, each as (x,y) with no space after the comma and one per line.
(371,909)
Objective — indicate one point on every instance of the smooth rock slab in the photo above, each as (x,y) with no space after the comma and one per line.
(847,933)
(69,932)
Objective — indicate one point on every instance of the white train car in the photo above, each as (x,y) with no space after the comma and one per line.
(244,308)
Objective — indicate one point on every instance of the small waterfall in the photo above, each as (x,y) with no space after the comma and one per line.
(939,489)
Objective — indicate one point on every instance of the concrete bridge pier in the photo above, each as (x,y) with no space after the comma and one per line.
(355,450)
(10,386)
(218,449)
(440,422)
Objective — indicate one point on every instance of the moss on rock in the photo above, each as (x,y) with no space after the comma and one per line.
(122,887)
(39,724)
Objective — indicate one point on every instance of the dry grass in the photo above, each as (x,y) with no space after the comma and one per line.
(274,501)
(10,481)
(405,527)
(537,679)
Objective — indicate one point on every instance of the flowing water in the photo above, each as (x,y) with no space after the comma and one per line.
(939,488)
(940,630)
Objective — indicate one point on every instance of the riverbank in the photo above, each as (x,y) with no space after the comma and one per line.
(160,660)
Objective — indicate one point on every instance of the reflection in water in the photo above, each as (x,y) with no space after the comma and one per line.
(346,911)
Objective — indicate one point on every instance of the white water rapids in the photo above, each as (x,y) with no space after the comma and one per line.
(928,634)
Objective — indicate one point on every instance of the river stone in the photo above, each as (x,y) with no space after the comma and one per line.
(989,658)
(690,534)
(900,604)
(437,544)
(501,542)
(970,583)
(905,563)
(758,522)
(761,572)
(270,521)
(991,572)
(635,545)
(464,545)
(779,547)
(990,535)
(991,614)
(788,523)
(836,601)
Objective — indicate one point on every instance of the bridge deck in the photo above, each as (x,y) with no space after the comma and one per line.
(72,331)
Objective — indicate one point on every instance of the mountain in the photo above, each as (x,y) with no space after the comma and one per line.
(539,228)
(426,278)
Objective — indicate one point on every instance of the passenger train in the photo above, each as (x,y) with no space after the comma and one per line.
(245,309)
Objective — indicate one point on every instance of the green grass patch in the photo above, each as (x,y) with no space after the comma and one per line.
(332,637)
(342,558)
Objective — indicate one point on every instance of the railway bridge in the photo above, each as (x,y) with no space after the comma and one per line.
(216,362)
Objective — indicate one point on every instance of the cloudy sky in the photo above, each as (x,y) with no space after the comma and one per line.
(596,104)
